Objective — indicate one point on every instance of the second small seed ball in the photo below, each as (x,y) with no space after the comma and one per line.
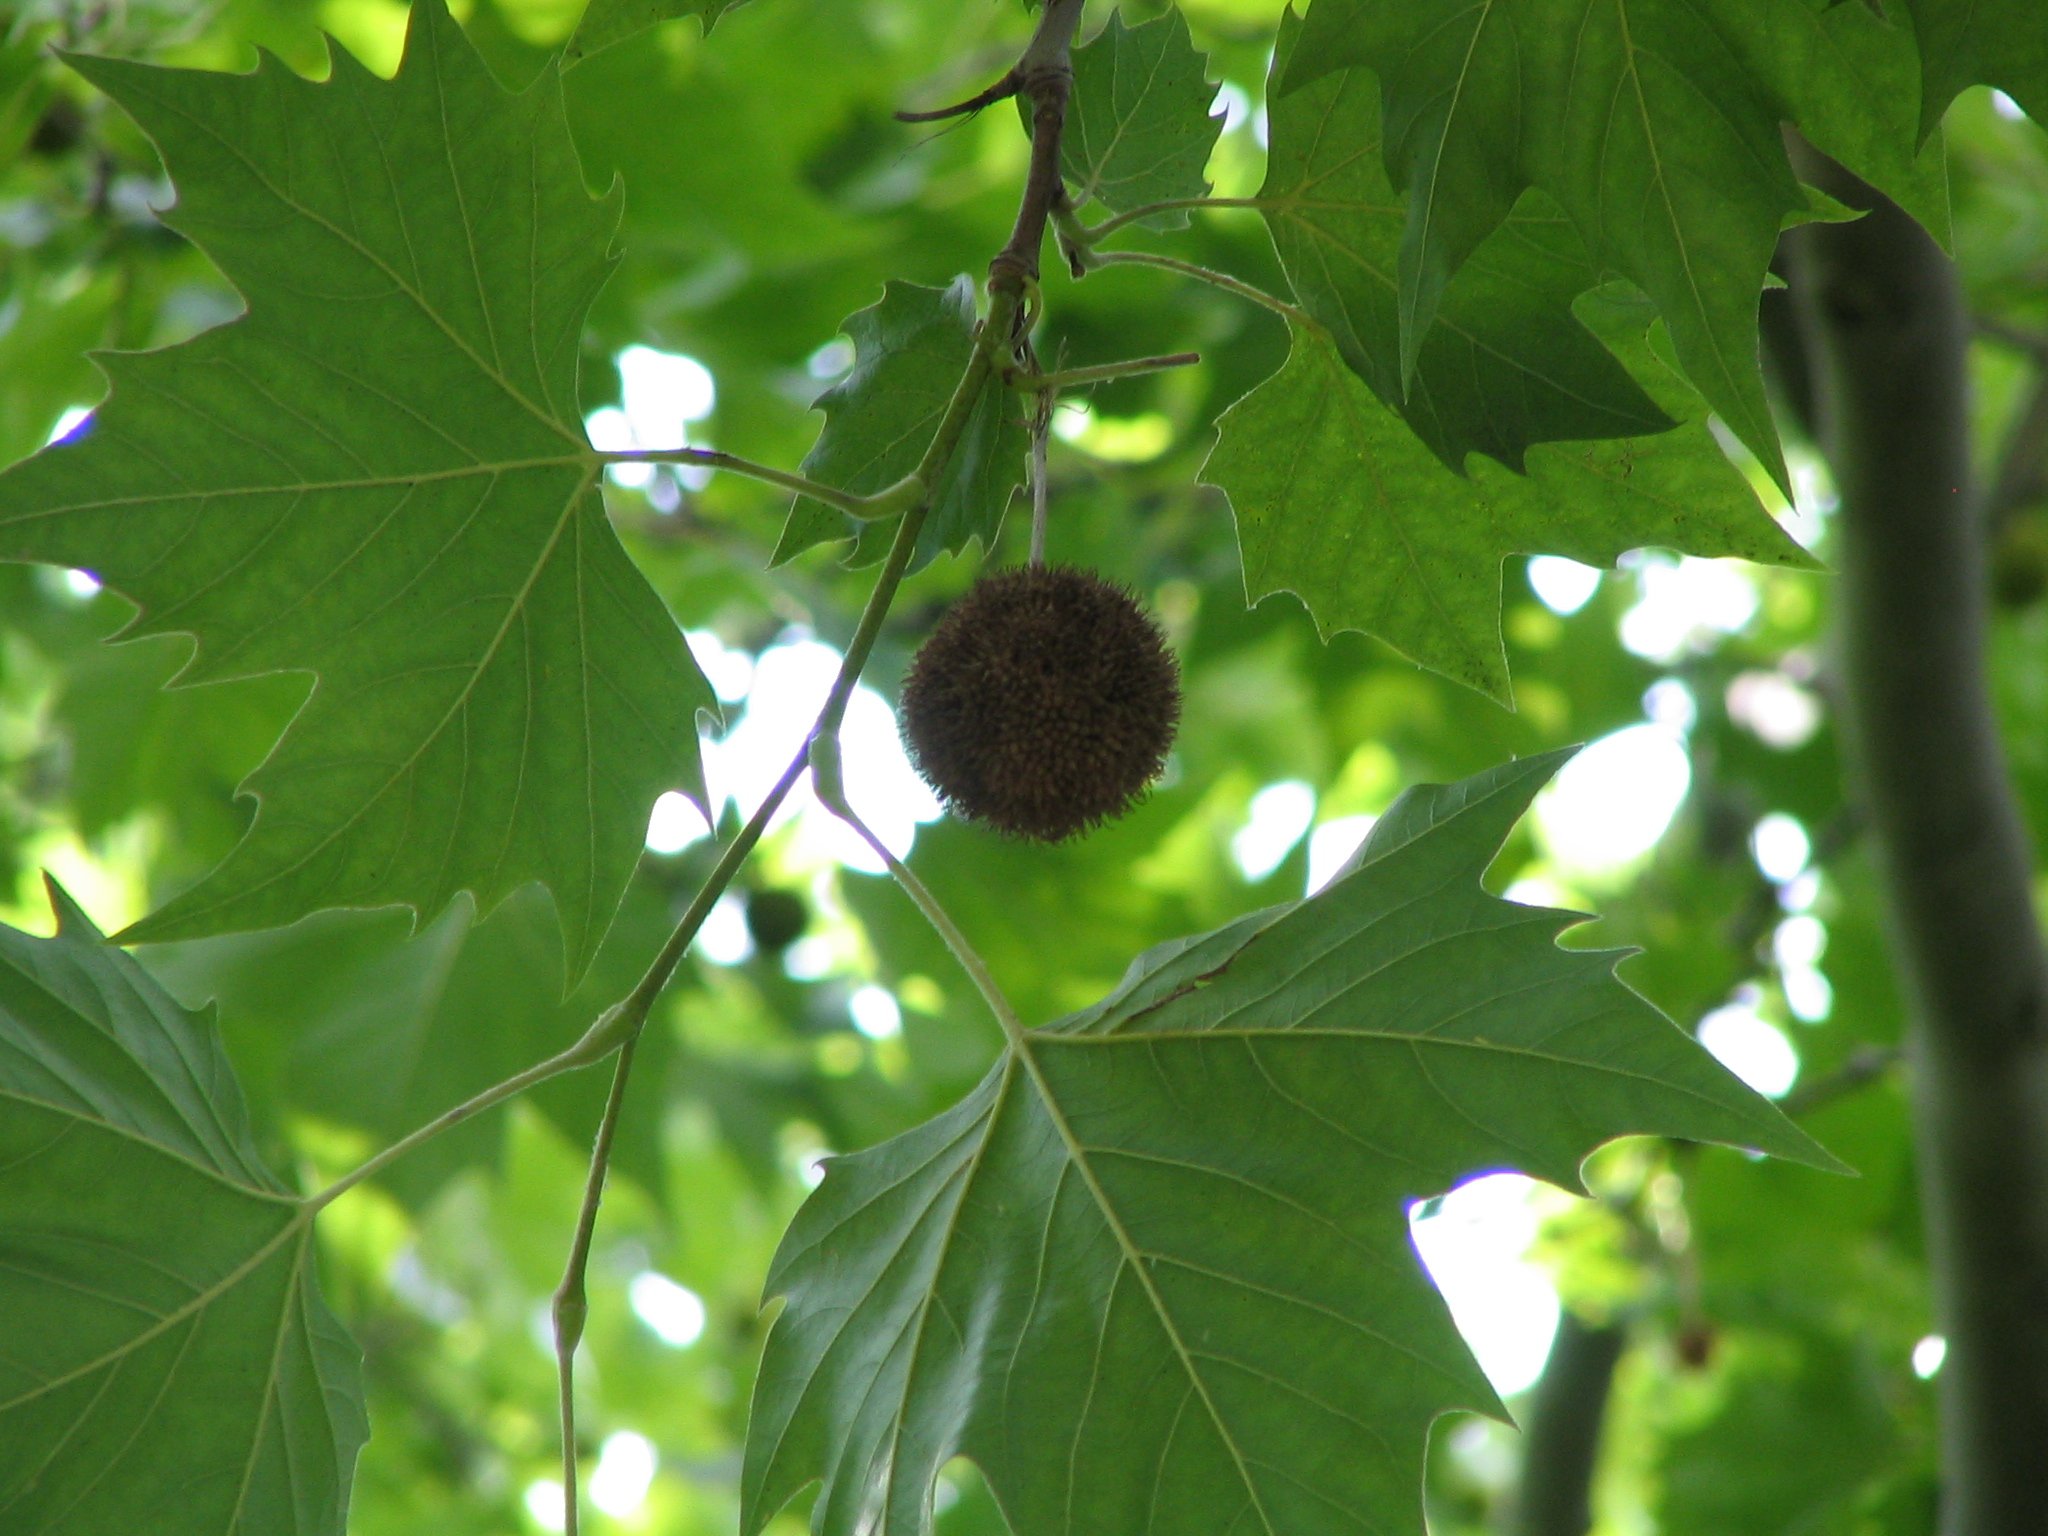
(1043,703)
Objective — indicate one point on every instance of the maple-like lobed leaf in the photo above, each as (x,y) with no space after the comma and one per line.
(1507,364)
(378,476)
(1154,1274)
(909,352)
(1138,128)
(169,1366)
(1338,503)
(1669,158)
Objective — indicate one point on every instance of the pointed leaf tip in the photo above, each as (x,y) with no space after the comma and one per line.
(72,920)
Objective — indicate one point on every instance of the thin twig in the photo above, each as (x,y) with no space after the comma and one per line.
(1002,90)
(1862,1066)
(1071,233)
(1041,430)
(595,1045)
(2021,338)
(572,1304)
(2021,473)
(884,503)
(831,792)
(619,1026)
(1094,234)
(629,1016)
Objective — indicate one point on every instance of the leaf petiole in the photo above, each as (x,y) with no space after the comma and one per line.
(581,1054)
(1237,285)
(1090,235)
(884,503)
(827,781)
(571,1302)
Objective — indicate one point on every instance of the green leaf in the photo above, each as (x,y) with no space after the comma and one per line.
(132,744)
(378,476)
(1997,42)
(1154,1273)
(606,22)
(1456,145)
(1337,503)
(170,1366)
(1646,124)
(1138,127)
(1506,364)
(909,352)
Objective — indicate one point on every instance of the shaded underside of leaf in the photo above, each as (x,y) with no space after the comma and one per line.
(1153,1275)
(1460,172)
(1655,126)
(169,1365)
(910,351)
(1851,80)
(1668,156)
(1506,364)
(378,476)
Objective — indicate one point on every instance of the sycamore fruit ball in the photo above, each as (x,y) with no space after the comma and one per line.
(1043,704)
(776,918)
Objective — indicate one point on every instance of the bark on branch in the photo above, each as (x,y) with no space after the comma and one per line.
(1045,77)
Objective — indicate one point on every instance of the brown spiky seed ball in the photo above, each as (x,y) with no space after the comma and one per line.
(1043,703)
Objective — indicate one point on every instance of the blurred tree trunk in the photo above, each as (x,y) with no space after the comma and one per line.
(1561,1432)
(1885,317)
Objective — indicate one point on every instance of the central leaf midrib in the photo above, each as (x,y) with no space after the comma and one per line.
(400,480)
(923,1315)
(1098,163)
(1134,1259)
(1423,208)
(1380,1036)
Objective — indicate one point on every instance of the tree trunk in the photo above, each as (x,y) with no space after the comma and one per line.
(1561,1435)
(1885,314)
